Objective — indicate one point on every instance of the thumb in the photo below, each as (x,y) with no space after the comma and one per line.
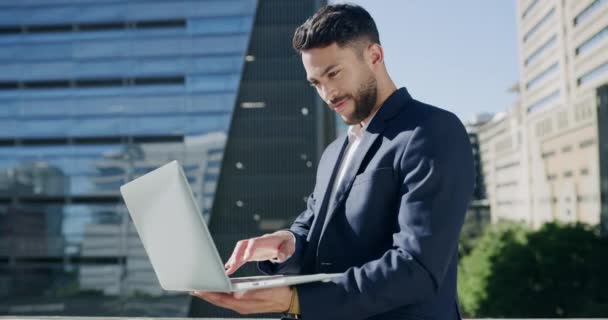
(281,256)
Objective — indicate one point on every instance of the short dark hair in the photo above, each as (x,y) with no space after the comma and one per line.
(343,24)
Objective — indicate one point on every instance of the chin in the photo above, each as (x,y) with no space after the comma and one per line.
(351,119)
(350,122)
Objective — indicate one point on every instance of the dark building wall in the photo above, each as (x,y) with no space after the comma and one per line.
(478,213)
(602,118)
(479,192)
(272,150)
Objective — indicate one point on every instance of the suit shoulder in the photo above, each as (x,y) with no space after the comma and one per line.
(429,114)
(428,118)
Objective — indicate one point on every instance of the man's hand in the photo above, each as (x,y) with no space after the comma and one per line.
(276,246)
(273,300)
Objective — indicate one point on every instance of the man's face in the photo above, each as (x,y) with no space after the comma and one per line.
(343,79)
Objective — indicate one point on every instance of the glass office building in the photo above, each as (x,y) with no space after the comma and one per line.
(96,93)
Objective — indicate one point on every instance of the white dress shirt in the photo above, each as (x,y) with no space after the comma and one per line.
(355,133)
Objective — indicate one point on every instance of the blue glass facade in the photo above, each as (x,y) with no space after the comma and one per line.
(94,94)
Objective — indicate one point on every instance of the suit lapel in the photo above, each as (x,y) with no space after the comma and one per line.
(390,109)
(334,158)
(367,141)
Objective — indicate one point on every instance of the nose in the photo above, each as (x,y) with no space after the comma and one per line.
(330,94)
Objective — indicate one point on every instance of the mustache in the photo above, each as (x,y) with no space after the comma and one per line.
(338,99)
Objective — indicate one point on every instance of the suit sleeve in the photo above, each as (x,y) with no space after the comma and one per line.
(436,181)
(299,229)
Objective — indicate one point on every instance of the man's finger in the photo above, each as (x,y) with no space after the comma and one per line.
(261,249)
(252,246)
(281,255)
(242,256)
(235,260)
(240,245)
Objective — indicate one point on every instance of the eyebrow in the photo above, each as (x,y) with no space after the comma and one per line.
(311,80)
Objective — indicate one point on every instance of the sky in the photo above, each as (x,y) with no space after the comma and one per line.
(461,56)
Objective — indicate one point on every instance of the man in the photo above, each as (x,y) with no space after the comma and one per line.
(389,199)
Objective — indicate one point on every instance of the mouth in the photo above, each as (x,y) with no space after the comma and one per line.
(340,105)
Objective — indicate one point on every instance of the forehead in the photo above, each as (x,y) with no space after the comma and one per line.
(318,59)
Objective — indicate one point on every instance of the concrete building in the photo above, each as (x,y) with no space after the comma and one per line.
(542,157)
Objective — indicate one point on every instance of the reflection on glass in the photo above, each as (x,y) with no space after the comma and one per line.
(71,249)
(84,112)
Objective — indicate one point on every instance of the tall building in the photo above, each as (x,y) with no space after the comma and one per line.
(279,130)
(96,93)
(543,155)
(504,168)
(478,212)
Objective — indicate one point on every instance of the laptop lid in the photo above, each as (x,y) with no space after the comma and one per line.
(173,232)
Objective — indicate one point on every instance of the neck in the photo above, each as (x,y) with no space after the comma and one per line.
(385,89)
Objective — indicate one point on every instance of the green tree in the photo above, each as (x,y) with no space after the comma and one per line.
(557,271)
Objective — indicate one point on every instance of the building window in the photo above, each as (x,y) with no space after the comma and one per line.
(584,172)
(505,203)
(591,42)
(593,74)
(548,154)
(538,25)
(253,105)
(506,184)
(586,143)
(534,82)
(568,174)
(551,177)
(566,149)
(538,52)
(92,83)
(102,26)
(529,8)
(507,165)
(583,15)
(544,101)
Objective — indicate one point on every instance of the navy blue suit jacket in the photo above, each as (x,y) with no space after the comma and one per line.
(393,228)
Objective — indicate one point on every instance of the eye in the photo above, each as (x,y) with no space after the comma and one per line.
(313,84)
(333,73)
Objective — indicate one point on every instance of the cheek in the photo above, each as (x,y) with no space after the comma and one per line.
(349,86)
(319,92)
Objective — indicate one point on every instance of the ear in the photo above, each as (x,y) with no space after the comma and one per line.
(374,55)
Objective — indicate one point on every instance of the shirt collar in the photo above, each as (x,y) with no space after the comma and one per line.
(356,131)
(391,104)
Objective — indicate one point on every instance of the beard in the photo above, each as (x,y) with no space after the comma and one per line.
(364,99)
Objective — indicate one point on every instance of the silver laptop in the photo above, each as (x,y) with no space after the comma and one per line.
(177,240)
